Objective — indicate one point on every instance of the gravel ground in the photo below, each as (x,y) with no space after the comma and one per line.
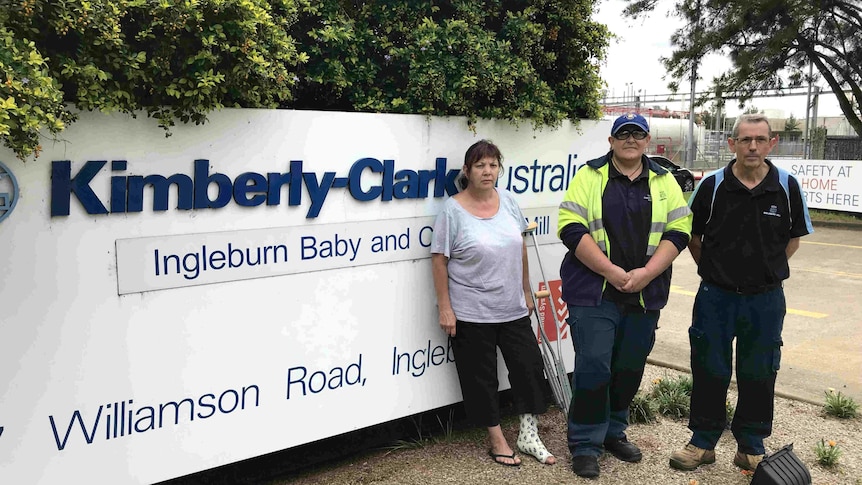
(461,458)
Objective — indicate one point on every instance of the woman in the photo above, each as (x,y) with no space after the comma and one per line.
(479,262)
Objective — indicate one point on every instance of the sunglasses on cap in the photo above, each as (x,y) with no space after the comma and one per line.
(624,134)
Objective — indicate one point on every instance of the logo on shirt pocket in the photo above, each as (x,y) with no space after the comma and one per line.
(772,212)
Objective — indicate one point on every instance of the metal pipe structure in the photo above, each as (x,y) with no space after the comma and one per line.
(557,375)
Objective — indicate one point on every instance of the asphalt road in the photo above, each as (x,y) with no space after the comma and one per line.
(823,327)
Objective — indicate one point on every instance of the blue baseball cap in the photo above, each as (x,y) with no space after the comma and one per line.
(630,119)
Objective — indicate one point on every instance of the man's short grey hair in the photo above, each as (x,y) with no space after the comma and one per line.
(751,118)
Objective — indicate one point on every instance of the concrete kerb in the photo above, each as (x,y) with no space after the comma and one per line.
(857,226)
(682,368)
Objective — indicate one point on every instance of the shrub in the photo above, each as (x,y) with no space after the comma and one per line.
(681,384)
(533,60)
(840,406)
(673,396)
(642,409)
(673,403)
(173,60)
(827,453)
(729,410)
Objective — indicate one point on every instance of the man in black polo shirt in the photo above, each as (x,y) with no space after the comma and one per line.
(748,218)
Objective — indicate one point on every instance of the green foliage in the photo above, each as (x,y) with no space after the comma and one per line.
(771,45)
(673,396)
(791,124)
(818,142)
(839,405)
(171,59)
(729,411)
(30,99)
(535,60)
(174,60)
(423,436)
(820,215)
(827,453)
(642,409)
(681,383)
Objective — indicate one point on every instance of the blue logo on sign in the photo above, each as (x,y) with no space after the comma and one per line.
(8,191)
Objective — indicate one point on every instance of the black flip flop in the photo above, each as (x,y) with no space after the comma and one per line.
(494,457)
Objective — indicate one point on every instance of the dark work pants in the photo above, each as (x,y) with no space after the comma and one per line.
(611,348)
(756,322)
(475,346)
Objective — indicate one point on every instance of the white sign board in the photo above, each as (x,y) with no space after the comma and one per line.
(170,305)
(828,184)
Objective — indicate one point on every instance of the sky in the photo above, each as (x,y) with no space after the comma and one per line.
(633,64)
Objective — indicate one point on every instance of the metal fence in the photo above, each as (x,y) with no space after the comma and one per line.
(843,148)
(713,152)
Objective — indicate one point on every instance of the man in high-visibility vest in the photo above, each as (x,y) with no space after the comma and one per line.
(624,220)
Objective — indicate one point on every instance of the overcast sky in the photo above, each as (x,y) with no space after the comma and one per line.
(633,61)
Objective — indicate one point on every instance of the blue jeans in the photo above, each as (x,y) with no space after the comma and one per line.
(611,348)
(756,322)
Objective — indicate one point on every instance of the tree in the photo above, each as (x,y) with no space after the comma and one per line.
(818,142)
(712,120)
(503,59)
(791,124)
(174,60)
(771,44)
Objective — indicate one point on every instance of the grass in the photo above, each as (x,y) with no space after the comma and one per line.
(827,453)
(834,216)
(729,410)
(840,406)
(642,409)
(423,436)
(668,396)
(447,429)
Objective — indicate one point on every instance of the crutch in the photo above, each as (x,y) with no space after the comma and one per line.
(559,377)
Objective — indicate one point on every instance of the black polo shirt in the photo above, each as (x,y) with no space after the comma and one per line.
(626,216)
(746,231)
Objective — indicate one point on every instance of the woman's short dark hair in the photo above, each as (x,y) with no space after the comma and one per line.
(477,151)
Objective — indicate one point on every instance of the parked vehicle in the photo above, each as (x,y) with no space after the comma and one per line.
(683,176)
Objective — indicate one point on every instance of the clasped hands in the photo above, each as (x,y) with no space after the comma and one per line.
(628,281)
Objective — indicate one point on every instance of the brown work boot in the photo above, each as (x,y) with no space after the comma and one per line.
(746,461)
(691,457)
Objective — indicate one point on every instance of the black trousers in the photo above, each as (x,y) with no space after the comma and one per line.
(475,346)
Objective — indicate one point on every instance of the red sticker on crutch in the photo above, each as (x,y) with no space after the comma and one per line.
(548,313)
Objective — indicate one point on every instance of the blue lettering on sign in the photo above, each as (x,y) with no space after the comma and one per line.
(417,362)
(190,265)
(302,382)
(538,178)
(368,179)
(338,247)
(425,236)
(124,418)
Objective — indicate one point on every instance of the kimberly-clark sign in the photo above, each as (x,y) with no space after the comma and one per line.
(249,189)
(174,304)
(828,184)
